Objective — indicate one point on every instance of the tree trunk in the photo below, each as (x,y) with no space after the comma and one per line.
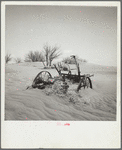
(43,64)
(50,62)
(46,61)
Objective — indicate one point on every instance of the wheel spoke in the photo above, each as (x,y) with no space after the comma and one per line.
(45,76)
(87,83)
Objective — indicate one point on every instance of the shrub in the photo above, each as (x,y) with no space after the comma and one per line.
(8,58)
(18,60)
(67,60)
(34,57)
(70,60)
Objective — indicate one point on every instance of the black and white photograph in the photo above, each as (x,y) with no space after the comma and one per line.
(61,63)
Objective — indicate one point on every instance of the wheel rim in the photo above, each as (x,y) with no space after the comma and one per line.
(42,77)
(88,84)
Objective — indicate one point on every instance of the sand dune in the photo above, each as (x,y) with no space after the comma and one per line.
(98,103)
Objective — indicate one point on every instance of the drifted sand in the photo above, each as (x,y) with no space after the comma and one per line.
(98,103)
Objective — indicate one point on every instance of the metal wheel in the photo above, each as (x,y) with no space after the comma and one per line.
(42,77)
(88,82)
(84,82)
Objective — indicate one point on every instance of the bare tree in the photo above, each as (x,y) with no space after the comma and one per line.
(34,57)
(51,53)
(46,53)
(67,60)
(8,58)
(29,57)
(54,53)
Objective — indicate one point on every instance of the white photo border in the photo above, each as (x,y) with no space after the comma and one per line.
(45,134)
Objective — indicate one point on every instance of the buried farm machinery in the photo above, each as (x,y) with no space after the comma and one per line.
(44,78)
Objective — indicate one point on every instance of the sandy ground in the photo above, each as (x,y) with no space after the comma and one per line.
(98,103)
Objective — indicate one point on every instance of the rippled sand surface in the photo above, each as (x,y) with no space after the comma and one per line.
(98,103)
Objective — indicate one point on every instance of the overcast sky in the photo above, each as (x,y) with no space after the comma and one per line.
(89,32)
